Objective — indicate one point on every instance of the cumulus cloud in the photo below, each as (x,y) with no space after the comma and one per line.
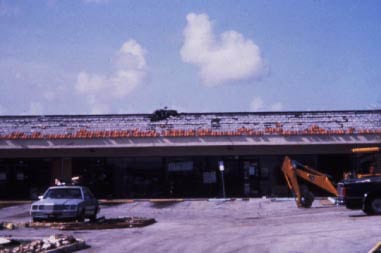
(230,57)
(257,104)
(130,71)
(98,106)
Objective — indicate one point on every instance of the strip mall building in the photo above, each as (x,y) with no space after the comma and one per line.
(170,154)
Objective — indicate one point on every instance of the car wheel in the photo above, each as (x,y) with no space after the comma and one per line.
(373,206)
(81,216)
(36,219)
(93,217)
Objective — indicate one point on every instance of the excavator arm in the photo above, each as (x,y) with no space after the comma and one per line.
(292,170)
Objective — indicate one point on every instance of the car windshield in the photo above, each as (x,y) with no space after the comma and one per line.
(63,194)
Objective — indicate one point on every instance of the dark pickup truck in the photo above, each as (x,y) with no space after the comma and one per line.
(363,193)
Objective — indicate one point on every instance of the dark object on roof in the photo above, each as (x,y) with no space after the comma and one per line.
(215,122)
(163,114)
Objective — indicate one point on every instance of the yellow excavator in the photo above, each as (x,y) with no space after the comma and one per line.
(304,198)
(293,169)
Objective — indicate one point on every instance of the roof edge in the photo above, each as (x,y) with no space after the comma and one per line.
(195,113)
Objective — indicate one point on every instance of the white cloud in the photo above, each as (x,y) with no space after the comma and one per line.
(97,106)
(90,83)
(130,71)
(231,57)
(257,104)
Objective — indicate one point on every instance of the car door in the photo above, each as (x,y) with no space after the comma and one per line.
(91,203)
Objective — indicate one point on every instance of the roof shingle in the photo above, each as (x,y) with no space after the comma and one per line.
(191,124)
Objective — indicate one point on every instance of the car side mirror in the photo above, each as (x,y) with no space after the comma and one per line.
(40,197)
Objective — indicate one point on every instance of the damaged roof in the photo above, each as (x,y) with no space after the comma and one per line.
(169,123)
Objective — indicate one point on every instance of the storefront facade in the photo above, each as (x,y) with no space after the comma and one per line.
(177,155)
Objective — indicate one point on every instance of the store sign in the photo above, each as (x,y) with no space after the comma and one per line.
(180,166)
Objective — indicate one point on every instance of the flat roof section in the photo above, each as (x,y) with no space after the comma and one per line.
(318,123)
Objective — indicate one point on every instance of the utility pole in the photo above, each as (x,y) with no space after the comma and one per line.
(222,168)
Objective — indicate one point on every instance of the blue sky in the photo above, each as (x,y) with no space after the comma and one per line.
(120,56)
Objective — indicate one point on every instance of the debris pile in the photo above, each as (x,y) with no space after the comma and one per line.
(125,222)
(7,225)
(66,243)
(101,223)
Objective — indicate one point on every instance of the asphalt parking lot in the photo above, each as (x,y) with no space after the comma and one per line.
(255,225)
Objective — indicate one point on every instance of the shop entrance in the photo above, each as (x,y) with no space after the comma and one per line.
(23,179)
(242,177)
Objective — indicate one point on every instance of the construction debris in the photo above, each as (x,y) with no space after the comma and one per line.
(101,223)
(4,241)
(7,225)
(53,244)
